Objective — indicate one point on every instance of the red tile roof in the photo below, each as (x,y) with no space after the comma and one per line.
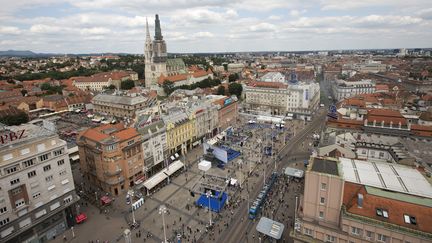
(395,208)
(385,115)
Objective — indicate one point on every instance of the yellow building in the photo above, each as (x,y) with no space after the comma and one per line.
(180,131)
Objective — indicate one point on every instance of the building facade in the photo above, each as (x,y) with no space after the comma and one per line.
(37,193)
(181,131)
(154,143)
(342,89)
(100,81)
(111,157)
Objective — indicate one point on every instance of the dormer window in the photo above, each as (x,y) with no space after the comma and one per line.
(382,212)
(410,219)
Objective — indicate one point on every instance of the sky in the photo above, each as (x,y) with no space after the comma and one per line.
(192,26)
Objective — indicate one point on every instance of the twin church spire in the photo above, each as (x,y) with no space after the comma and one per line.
(158,30)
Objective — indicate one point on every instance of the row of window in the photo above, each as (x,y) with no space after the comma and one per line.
(369,235)
(33,173)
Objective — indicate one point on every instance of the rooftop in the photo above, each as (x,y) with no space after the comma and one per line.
(386,176)
(120,99)
(25,133)
(325,166)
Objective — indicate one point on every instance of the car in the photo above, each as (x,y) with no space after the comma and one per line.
(321,105)
(128,199)
(251,121)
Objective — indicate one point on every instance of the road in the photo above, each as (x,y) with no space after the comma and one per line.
(238,230)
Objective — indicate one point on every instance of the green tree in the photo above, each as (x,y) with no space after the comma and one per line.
(127,84)
(168,87)
(221,90)
(14,119)
(112,86)
(235,89)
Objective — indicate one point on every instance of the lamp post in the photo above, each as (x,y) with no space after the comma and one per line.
(133,214)
(208,194)
(73,232)
(162,211)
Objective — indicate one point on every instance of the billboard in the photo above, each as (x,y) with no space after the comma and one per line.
(219,153)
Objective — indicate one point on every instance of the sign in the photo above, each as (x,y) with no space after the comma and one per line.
(11,136)
(149,121)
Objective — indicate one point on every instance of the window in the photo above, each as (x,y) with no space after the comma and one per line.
(382,238)
(11,170)
(3,210)
(130,142)
(330,238)
(47,168)
(13,182)
(308,232)
(62,173)
(410,219)
(382,212)
(16,191)
(52,187)
(60,162)
(25,151)
(381,154)
(323,186)
(67,200)
(31,174)
(363,152)
(369,235)
(322,201)
(58,152)
(28,163)
(49,178)
(43,157)
(36,195)
(356,231)
(4,221)
(19,203)
(321,214)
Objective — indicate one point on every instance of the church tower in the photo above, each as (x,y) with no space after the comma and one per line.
(155,55)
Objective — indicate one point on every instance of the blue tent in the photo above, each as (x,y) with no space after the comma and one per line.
(216,201)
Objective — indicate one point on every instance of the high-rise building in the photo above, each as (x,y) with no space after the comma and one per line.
(37,192)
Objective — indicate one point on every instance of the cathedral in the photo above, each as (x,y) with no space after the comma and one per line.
(157,63)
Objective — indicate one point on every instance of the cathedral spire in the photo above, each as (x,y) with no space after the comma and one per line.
(148,38)
(158,31)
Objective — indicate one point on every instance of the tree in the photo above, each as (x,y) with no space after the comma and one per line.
(15,119)
(24,92)
(168,87)
(235,89)
(233,77)
(111,86)
(127,84)
(221,90)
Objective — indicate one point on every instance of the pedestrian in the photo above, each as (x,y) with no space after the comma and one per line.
(64,238)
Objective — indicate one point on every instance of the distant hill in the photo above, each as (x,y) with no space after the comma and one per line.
(15,53)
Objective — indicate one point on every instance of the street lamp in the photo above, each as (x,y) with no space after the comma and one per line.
(133,214)
(208,194)
(162,211)
(73,232)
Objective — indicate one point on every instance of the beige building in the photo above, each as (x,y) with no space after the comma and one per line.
(111,157)
(99,81)
(361,201)
(37,188)
(121,105)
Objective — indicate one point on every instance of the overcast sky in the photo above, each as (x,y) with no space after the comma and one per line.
(84,26)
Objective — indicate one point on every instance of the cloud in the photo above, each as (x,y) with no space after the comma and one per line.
(9,30)
(205,34)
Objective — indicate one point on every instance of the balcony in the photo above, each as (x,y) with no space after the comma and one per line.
(389,226)
(113,173)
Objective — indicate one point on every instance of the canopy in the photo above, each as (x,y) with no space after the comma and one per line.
(270,227)
(154,180)
(80,218)
(293,172)
(173,167)
(105,200)
(204,165)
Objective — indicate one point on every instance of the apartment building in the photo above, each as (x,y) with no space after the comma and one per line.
(111,157)
(37,192)
(154,143)
(358,201)
(206,120)
(227,110)
(99,81)
(180,129)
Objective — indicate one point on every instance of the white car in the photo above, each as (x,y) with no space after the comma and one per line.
(251,122)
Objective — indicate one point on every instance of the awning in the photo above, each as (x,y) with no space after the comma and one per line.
(105,200)
(293,172)
(74,157)
(177,155)
(204,165)
(172,168)
(155,180)
(80,218)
